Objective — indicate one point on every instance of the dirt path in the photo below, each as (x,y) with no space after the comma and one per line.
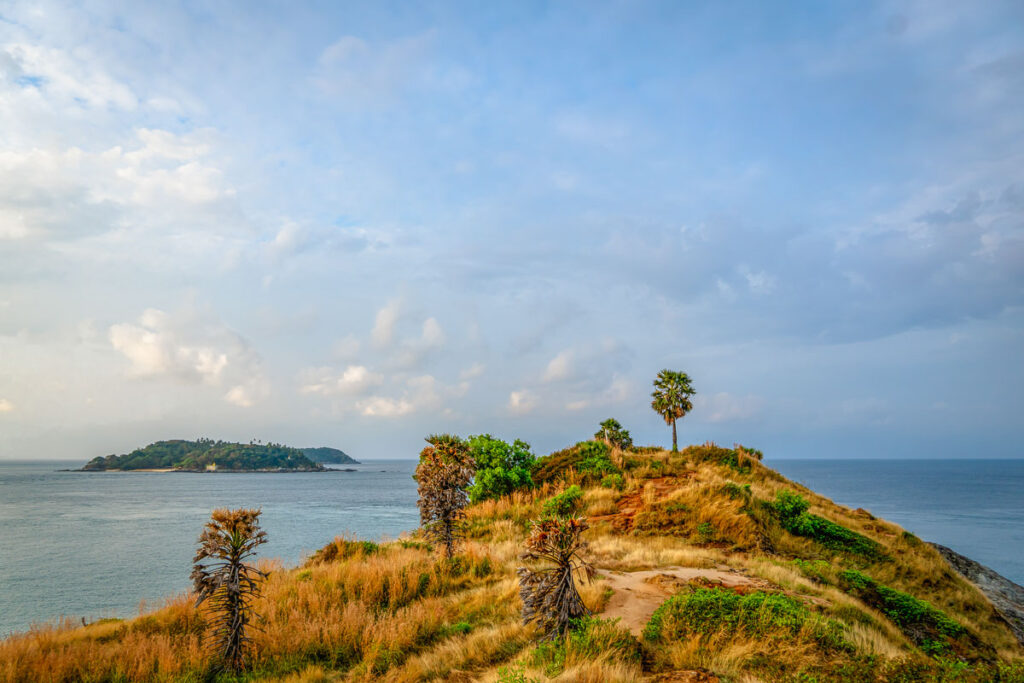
(638,594)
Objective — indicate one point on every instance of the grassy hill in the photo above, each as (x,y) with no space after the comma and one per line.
(197,455)
(712,567)
(326,454)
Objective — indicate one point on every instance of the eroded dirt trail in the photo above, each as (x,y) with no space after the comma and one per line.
(638,594)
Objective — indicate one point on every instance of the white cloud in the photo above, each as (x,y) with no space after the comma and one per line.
(420,393)
(72,192)
(472,372)
(384,324)
(190,349)
(69,79)
(356,73)
(6,406)
(521,402)
(347,347)
(433,335)
(354,380)
(559,368)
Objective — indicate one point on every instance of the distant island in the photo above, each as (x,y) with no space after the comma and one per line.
(322,454)
(208,455)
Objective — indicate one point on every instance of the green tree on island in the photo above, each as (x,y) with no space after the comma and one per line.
(672,392)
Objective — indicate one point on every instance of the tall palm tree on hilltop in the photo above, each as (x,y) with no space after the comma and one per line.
(672,392)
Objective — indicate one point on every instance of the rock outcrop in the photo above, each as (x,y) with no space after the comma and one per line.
(1005,595)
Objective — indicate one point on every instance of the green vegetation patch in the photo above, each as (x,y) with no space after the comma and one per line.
(791,510)
(342,549)
(501,467)
(727,457)
(710,612)
(588,639)
(592,459)
(565,503)
(928,627)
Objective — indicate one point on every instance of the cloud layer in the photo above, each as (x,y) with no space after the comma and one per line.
(359,226)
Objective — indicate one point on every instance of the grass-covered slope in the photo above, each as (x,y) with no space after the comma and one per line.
(326,454)
(197,455)
(821,593)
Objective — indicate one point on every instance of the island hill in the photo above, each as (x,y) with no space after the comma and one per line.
(710,567)
(207,455)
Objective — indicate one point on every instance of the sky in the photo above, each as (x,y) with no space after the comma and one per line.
(356,224)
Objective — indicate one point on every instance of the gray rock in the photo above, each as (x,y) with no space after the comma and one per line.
(1005,595)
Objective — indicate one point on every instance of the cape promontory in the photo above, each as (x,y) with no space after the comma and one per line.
(207,455)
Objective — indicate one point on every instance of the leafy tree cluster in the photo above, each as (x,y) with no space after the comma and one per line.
(613,434)
(196,455)
(501,467)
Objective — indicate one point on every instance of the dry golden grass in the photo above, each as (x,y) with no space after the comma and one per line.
(400,613)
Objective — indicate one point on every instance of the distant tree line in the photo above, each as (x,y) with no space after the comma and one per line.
(196,455)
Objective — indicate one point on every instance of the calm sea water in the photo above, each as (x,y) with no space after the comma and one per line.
(976,507)
(96,544)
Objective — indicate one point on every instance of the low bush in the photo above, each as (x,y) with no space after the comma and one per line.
(343,549)
(710,613)
(712,452)
(928,627)
(596,459)
(588,639)
(817,571)
(565,503)
(791,510)
(613,481)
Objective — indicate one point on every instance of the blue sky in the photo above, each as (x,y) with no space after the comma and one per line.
(358,223)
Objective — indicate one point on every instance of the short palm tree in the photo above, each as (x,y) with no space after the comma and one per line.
(221,577)
(549,594)
(672,392)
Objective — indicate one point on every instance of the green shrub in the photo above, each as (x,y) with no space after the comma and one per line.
(706,531)
(342,549)
(588,639)
(613,481)
(595,459)
(565,503)
(818,571)
(501,468)
(711,452)
(592,459)
(791,510)
(735,491)
(709,612)
(923,623)
(515,673)
(612,433)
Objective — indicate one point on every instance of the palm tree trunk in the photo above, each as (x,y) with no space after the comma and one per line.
(675,447)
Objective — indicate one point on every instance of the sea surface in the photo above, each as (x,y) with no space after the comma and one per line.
(98,544)
(976,507)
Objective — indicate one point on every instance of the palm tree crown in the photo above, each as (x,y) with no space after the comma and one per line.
(671,398)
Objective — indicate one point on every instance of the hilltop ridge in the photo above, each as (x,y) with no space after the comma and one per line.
(710,567)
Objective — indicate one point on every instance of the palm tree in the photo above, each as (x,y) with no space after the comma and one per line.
(549,594)
(672,392)
(221,575)
(445,472)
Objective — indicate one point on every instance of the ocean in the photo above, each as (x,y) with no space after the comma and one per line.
(98,544)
